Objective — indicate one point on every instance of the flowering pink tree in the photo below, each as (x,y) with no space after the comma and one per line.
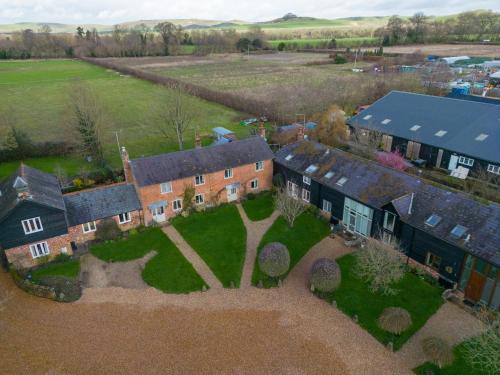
(392,159)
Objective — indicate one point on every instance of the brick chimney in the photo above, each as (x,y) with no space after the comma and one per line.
(262,130)
(197,140)
(300,134)
(126,165)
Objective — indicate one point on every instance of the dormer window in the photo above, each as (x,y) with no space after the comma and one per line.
(32,225)
(433,220)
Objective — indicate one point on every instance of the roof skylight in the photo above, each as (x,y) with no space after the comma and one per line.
(342,181)
(329,174)
(433,220)
(481,137)
(458,231)
(289,157)
(386,121)
(414,128)
(312,168)
(367,117)
(440,133)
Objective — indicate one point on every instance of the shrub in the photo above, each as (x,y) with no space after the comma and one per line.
(61,258)
(395,320)
(380,266)
(438,351)
(250,196)
(339,59)
(325,275)
(107,230)
(274,259)
(281,46)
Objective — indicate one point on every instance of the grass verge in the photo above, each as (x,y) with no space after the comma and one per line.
(69,268)
(259,208)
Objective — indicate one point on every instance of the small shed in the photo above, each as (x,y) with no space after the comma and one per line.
(223,135)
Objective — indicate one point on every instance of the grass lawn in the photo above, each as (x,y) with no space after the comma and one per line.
(169,271)
(70,269)
(259,208)
(71,165)
(219,237)
(306,232)
(353,297)
(37,93)
(341,42)
(460,366)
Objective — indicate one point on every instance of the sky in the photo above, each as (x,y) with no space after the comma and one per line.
(116,11)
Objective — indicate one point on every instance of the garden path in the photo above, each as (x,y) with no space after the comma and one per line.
(255,232)
(192,256)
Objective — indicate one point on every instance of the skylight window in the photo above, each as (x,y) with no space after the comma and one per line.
(458,231)
(289,157)
(342,181)
(386,121)
(440,133)
(414,128)
(481,137)
(367,117)
(329,174)
(312,168)
(433,220)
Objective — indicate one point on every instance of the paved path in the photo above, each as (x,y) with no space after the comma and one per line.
(192,256)
(255,232)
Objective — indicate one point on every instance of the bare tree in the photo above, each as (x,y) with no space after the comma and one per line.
(176,117)
(87,118)
(169,34)
(365,142)
(331,129)
(288,205)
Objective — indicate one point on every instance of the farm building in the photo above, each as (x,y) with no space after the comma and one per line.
(447,133)
(452,234)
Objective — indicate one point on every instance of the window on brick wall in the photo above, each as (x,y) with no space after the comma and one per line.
(259,166)
(199,180)
(124,218)
(32,225)
(89,227)
(39,249)
(166,187)
(199,199)
(228,173)
(254,184)
(177,205)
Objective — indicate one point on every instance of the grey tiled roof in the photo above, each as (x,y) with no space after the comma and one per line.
(101,203)
(463,120)
(42,188)
(378,186)
(169,167)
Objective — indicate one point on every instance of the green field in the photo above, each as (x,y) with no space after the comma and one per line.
(315,43)
(36,93)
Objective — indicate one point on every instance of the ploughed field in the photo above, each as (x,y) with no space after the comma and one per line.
(36,98)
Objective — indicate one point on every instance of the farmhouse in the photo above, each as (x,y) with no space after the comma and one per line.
(446,133)
(216,174)
(452,234)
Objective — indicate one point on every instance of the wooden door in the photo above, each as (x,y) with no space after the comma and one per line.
(475,287)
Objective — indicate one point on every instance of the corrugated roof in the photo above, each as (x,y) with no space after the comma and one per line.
(169,167)
(462,120)
(378,186)
(101,203)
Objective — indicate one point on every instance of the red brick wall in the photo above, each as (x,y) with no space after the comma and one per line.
(21,257)
(214,188)
(77,235)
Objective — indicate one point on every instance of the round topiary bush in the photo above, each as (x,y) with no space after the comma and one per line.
(274,259)
(438,351)
(394,320)
(325,275)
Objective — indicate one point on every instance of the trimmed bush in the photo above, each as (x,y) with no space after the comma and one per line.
(274,259)
(438,351)
(395,320)
(325,275)
(108,230)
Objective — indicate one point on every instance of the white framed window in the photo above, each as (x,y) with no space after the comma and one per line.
(39,249)
(494,168)
(89,227)
(124,218)
(327,206)
(357,217)
(293,189)
(166,187)
(177,205)
(228,173)
(199,179)
(466,161)
(306,180)
(389,221)
(32,225)
(199,199)
(254,184)
(259,166)
(306,195)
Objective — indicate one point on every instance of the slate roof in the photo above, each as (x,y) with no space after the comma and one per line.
(377,186)
(176,165)
(40,187)
(100,203)
(463,120)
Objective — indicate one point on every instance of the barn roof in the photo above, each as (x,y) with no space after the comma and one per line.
(467,127)
(378,186)
(176,165)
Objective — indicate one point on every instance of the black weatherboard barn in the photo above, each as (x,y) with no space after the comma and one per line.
(452,233)
(445,132)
